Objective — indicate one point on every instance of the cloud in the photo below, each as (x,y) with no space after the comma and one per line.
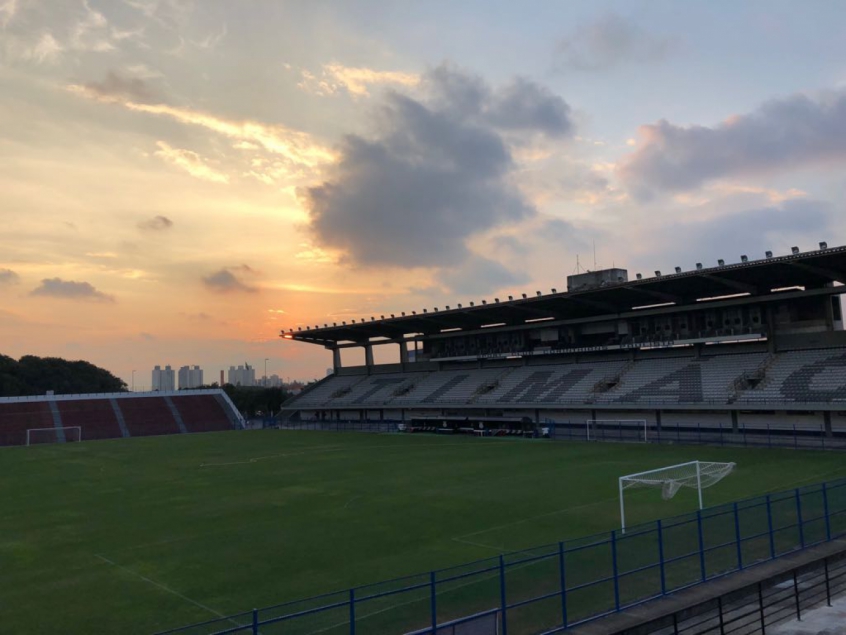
(8,9)
(794,132)
(8,277)
(609,42)
(478,275)
(156,224)
(68,289)
(436,172)
(224,281)
(191,162)
(297,148)
(118,89)
(91,33)
(356,81)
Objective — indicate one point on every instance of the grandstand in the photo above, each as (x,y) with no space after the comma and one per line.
(116,415)
(741,347)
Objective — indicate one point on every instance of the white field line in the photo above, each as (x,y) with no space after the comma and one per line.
(350,501)
(166,588)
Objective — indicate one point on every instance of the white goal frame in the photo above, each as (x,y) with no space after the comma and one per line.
(639,422)
(643,479)
(64,428)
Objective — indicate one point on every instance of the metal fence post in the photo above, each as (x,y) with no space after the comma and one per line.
(825,512)
(563,576)
(827,583)
(502,600)
(795,439)
(761,609)
(799,522)
(615,572)
(770,528)
(796,596)
(255,622)
(737,537)
(433,603)
(720,611)
(352,611)
(661,558)
(701,543)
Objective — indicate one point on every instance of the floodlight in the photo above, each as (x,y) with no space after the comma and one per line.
(299,328)
(472,303)
(538,292)
(334,324)
(344,323)
(657,273)
(795,250)
(425,310)
(447,307)
(699,266)
(403,313)
(524,296)
(639,276)
(554,290)
(459,305)
(382,316)
(496,300)
(823,245)
(484,301)
(435,309)
(414,313)
(721,262)
(678,269)
(511,297)
(768,254)
(392,315)
(743,258)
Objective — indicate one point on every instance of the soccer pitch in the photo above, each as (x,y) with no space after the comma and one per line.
(138,535)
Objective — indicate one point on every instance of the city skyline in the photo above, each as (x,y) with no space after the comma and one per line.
(183,180)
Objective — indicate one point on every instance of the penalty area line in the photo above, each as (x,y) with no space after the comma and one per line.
(165,588)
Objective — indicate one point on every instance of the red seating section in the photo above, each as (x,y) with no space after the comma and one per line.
(147,416)
(96,417)
(201,413)
(18,417)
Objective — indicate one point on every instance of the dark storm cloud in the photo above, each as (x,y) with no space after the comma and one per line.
(609,42)
(224,281)
(794,132)
(70,290)
(156,224)
(435,173)
(116,87)
(7,276)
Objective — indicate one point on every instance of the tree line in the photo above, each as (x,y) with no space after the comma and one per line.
(31,375)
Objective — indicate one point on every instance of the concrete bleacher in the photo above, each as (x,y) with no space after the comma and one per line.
(323,392)
(804,376)
(115,415)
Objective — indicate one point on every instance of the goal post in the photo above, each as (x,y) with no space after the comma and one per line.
(64,434)
(593,425)
(696,475)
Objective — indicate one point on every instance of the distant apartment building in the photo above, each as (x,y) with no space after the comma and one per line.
(190,377)
(274,381)
(163,378)
(242,376)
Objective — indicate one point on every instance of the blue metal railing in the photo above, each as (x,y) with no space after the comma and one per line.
(564,584)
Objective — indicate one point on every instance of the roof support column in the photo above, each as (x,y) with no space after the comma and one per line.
(336,359)
(368,356)
(403,352)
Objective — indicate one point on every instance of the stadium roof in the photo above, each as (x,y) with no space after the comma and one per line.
(810,270)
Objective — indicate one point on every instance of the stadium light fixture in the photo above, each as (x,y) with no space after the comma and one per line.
(382,316)
(823,245)
(721,262)
(538,293)
(511,297)
(459,305)
(447,307)
(554,290)
(743,258)
(392,315)
(768,254)
(334,324)
(484,301)
(678,269)
(795,250)
(414,313)
(699,266)
(472,303)
(425,310)
(524,296)
(657,273)
(372,319)
(344,323)
(639,276)
(436,309)
(288,336)
(496,300)
(299,328)
(403,313)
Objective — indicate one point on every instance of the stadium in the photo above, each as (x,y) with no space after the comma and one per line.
(539,464)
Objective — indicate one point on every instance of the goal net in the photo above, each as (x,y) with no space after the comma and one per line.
(616,429)
(696,475)
(67,434)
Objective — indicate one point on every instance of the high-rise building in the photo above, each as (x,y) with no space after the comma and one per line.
(163,378)
(242,376)
(190,377)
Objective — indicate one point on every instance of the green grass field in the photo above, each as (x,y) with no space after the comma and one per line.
(134,536)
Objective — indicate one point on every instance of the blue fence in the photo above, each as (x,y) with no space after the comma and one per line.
(547,588)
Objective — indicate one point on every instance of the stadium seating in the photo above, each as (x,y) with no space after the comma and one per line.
(147,416)
(807,376)
(19,416)
(96,418)
(201,414)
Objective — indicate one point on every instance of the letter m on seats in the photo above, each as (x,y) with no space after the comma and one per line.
(539,386)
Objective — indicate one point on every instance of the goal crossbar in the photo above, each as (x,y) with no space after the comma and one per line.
(66,433)
(693,474)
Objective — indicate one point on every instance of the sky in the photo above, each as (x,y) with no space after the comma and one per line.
(180,180)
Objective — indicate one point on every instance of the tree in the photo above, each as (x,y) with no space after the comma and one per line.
(33,375)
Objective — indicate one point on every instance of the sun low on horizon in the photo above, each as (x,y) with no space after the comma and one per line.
(180,181)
